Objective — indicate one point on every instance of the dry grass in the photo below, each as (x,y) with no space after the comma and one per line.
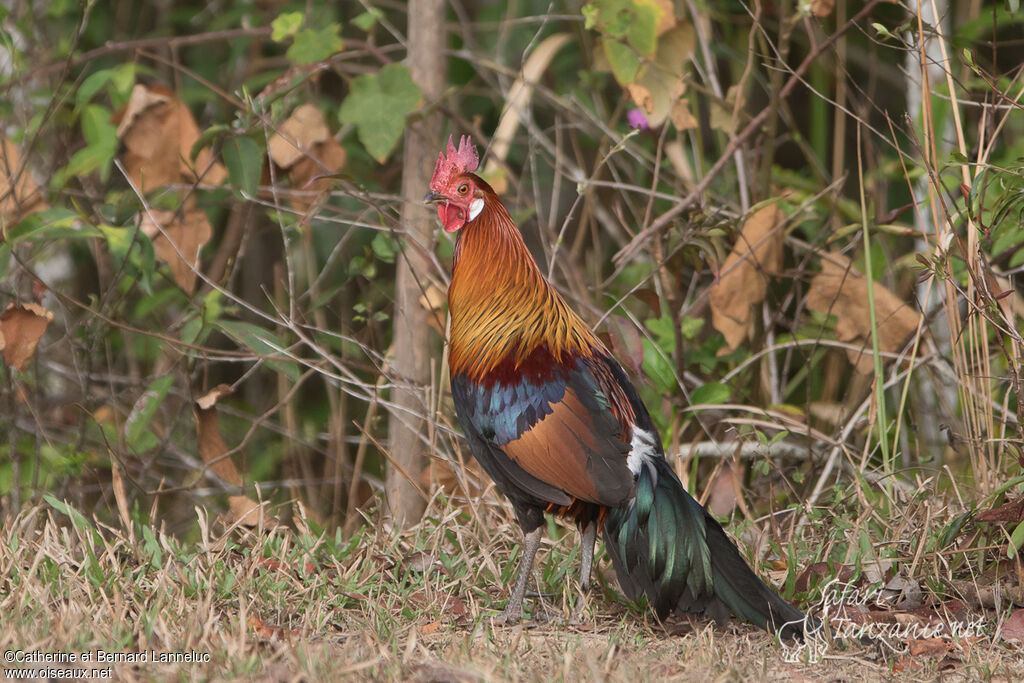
(287,604)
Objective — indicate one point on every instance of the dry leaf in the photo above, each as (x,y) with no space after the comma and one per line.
(841,291)
(326,157)
(667,17)
(641,97)
(21,328)
(1013,627)
(1009,512)
(211,445)
(214,452)
(430,629)
(725,488)
(19,194)
(185,236)
(297,136)
(822,8)
(927,646)
(660,85)
(744,275)
(724,114)
(681,117)
(158,132)
(816,574)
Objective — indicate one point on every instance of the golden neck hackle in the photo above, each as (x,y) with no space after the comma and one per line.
(502,308)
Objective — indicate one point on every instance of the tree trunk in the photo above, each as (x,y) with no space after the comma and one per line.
(411,345)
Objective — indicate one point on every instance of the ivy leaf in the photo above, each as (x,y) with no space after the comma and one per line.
(286,26)
(315,45)
(642,33)
(622,58)
(377,105)
(368,19)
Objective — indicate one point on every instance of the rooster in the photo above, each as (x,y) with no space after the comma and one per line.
(552,417)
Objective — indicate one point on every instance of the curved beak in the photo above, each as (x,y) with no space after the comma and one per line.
(433,197)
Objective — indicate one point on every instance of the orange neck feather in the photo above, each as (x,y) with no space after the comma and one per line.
(502,308)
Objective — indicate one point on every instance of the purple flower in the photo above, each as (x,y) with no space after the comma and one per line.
(636,119)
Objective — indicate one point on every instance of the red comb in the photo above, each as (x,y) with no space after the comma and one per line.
(453,161)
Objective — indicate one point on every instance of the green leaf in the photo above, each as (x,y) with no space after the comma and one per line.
(368,19)
(712,393)
(101,138)
(662,330)
(378,104)
(315,45)
(92,85)
(643,30)
(136,426)
(1016,541)
(262,342)
(51,224)
(122,82)
(692,326)
(77,518)
(120,242)
(622,58)
(96,126)
(658,367)
(384,247)
(244,160)
(5,262)
(285,26)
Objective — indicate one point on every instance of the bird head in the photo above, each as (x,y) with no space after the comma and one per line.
(456,191)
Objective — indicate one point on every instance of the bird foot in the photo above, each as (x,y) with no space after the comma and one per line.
(507,618)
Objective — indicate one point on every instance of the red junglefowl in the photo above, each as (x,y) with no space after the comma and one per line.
(555,421)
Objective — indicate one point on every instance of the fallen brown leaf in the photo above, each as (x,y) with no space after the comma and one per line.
(744,275)
(1013,627)
(186,235)
(1008,512)
(927,646)
(841,291)
(21,328)
(159,131)
(265,630)
(19,194)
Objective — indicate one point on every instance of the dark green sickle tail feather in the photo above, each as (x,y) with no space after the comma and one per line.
(665,546)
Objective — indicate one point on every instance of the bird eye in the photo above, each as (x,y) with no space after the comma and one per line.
(463,188)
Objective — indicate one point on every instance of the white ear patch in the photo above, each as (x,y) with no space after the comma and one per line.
(475,208)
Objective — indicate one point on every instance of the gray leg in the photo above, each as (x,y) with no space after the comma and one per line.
(587,539)
(588,535)
(514,609)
